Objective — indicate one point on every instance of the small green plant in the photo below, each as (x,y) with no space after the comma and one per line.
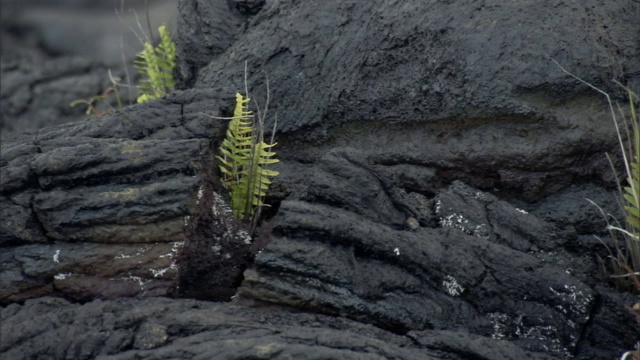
(243,161)
(106,98)
(625,263)
(156,66)
(631,193)
(245,156)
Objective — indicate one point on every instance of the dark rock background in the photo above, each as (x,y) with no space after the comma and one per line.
(431,205)
(56,52)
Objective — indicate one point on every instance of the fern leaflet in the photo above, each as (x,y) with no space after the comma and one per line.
(243,161)
(631,192)
(156,67)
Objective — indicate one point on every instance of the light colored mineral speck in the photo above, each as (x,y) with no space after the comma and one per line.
(412,223)
(451,286)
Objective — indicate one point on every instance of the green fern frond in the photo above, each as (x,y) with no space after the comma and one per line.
(256,177)
(156,67)
(236,147)
(243,162)
(631,192)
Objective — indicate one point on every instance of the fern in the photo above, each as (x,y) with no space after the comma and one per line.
(626,263)
(631,192)
(631,197)
(156,66)
(243,163)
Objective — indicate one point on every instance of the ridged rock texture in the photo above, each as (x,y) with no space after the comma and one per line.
(98,208)
(435,166)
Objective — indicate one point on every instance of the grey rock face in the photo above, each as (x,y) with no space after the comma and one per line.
(465,89)
(382,107)
(217,243)
(186,329)
(483,263)
(206,29)
(433,167)
(97,209)
(36,94)
(106,31)
(54,53)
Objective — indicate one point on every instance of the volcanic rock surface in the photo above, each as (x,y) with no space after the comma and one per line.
(435,166)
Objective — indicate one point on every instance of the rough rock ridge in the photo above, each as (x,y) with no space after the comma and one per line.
(431,203)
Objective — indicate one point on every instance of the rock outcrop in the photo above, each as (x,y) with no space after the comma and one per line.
(435,163)
(187,329)
(97,209)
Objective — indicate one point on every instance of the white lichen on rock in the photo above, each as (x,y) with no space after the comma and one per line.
(140,251)
(574,301)
(499,321)
(548,333)
(219,205)
(199,196)
(451,286)
(246,238)
(159,272)
(141,282)
(176,246)
(62,276)
(507,328)
(455,221)
(458,221)
(217,249)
